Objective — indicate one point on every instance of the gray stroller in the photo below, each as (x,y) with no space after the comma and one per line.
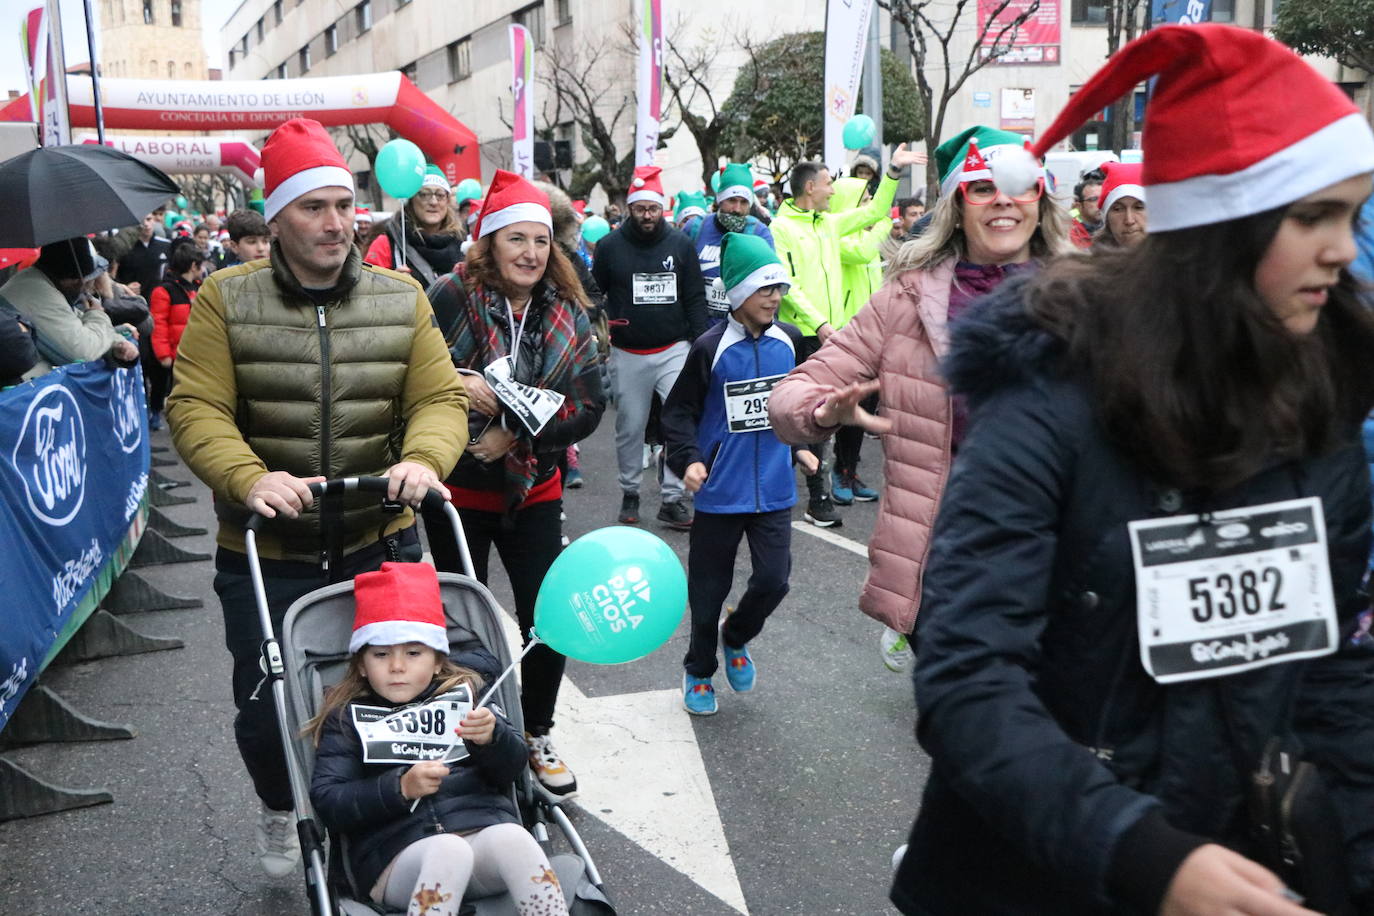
(313,655)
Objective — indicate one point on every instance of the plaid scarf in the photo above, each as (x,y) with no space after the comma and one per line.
(482,335)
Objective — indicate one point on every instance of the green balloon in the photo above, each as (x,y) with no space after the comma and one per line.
(181,202)
(594,229)
(859,132)
(715,181)
(400,168)
(468,189)
(612,596)
(170,219)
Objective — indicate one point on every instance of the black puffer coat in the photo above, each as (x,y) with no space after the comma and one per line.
(363,801)
(1065,780)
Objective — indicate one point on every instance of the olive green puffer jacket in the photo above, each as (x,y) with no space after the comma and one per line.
(266,380)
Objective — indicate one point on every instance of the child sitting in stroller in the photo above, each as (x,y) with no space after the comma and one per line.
(421,834)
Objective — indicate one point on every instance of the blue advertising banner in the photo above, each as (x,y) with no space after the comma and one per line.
(1180,12)
(73,476)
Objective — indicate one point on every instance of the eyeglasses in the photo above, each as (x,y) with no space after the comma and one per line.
(431,194)
(983,192)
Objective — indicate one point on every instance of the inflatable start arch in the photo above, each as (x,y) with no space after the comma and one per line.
(334,101)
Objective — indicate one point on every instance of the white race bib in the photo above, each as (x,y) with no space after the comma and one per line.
(1247,588)
(717,301)
(746,403)
(535,407)
(654,289)
(411,734)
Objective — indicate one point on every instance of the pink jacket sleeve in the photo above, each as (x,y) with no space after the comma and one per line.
(852,354)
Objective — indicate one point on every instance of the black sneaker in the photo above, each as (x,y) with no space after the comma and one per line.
(629,509)
(675,515)
(820,511)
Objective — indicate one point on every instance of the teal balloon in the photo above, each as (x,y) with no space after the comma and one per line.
(859,132)
(181,202)
(468,189)
(400,168)
(612,596)
(170,219)
(715,181)
(594,229)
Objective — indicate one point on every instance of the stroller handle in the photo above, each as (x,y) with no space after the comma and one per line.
(340,485)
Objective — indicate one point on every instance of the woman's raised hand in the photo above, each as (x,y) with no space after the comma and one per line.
(841,407)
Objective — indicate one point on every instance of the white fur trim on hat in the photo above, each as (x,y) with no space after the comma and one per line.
(767,275)
(525,212)
(436,180)
(652,197)
(1340,150)
(737,190)
(1120,191)
(303,182)
(691,211)
(398,632)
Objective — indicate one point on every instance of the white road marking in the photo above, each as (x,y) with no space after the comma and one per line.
(830,537)
(640,771)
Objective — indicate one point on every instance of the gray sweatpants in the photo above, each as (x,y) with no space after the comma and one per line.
(637,377)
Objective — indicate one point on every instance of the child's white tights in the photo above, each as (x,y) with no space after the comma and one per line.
(430,876)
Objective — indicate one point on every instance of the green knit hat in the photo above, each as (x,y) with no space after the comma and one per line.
(965,157)
(747,265)
(690,203)
(736,181)
(435,178)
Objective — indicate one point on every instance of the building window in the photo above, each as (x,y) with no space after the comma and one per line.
(147,12)
(1088,12)
(186,71)
(305,58)
(281,70)
(171,70)
(331,40)
(262,30)
(460,60)
(563,11)
(176,13)
(363,12)
(233,55)
(532,18)
(411,70)
(152,65)
(1223,10)
(277,12)
(401,3)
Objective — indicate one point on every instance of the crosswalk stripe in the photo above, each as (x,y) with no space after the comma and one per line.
(830,537)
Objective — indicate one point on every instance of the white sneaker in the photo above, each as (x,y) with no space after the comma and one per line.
(894,649)
(549,768)
(279,849)
(897,856)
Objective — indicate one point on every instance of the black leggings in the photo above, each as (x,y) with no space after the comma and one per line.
(527,550)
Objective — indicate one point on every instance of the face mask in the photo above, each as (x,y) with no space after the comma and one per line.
(732,222)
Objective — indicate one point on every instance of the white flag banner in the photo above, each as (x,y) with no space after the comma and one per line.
(846,39)
(650,85)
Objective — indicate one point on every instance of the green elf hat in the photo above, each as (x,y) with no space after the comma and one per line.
(736,181)
(968,156)
(747,265)
(690,203)
(435,178)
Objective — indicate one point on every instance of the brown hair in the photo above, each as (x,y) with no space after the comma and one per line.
(944,237)
(450,225)
(354,685)
(558,273)
(1192,373)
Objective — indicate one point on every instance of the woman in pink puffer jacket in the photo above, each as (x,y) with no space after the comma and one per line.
(977,237)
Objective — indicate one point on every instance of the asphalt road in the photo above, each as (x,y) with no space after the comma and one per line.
(799,792)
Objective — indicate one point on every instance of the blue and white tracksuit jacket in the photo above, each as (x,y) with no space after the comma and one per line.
(706,235)
(748,472)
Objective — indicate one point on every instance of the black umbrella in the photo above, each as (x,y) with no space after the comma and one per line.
(60,192)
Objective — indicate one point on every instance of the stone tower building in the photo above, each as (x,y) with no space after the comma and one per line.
(152,39)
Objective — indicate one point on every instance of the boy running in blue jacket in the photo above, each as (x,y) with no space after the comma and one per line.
(718,439)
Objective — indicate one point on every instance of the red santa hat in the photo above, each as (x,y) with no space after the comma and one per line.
(647,185)
(1238,123)
(511,199)
(1123,180)
(398,603)
(299,158)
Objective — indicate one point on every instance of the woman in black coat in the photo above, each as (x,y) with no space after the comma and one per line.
(1144,674)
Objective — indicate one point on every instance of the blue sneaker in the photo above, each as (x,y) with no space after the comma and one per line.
(840,491)
(739,669)
(862,492)
(698,695)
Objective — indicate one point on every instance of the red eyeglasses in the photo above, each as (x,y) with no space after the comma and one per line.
(983,192)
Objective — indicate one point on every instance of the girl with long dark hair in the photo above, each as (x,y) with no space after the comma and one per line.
(1141,674)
